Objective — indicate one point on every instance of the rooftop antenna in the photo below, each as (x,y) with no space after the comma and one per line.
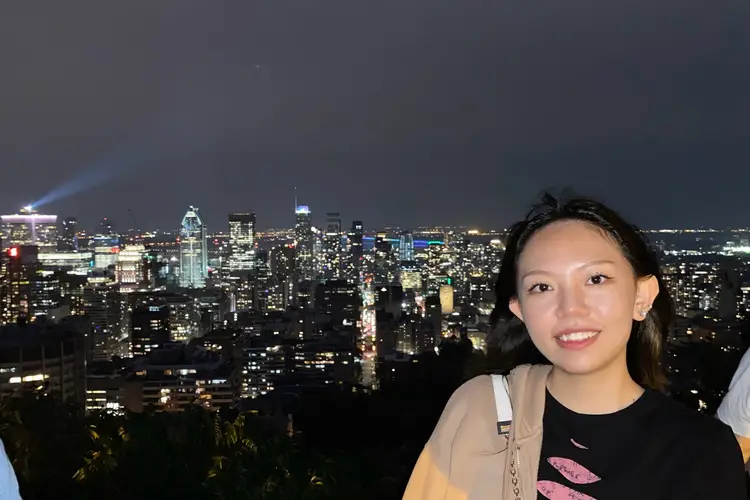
(295,198)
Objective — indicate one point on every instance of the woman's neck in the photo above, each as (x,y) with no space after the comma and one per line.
(599,393)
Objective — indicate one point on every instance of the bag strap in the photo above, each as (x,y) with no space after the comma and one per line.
(502,403)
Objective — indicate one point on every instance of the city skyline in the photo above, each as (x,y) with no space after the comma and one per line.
(392,113)
(93,225)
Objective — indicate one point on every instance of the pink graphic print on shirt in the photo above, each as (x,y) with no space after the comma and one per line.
(578,445)
(573,472)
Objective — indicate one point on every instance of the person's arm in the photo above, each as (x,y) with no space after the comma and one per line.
(8,481)
(735,407)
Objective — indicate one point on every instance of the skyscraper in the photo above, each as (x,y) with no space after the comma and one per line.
(68,241)
(356,250)
(332,246)
(406,247)
(193,250)
(303,243)
(241,241)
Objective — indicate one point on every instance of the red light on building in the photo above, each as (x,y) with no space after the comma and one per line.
(13,252)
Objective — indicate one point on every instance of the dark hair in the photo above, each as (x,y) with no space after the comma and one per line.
(644,348)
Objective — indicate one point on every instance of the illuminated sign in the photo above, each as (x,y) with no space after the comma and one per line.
(13,252)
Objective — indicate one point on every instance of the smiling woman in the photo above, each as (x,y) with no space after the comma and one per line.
(587,420)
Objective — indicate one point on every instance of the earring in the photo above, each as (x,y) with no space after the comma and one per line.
(644,311)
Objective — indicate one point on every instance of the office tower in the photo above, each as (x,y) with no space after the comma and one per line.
(25,291)
(304,244)
(129,269)
(150,328)
(332,246)
(193,250)
(356,250)
(340,301)
(406,247)
(241,241)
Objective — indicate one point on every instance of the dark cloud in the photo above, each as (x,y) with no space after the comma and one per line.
(409,111)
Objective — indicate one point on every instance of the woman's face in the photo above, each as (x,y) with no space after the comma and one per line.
(578,296)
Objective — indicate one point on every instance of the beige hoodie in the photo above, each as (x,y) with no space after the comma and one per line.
(466,458)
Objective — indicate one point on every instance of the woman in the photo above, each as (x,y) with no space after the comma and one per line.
(589,421)
(735,407)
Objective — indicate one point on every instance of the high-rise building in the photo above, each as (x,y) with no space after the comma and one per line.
(332,246)
(25,291)
(340,301)
(129,267)
(406,247)
(193,250)
(150,328)
(241,241)
(304,244)
(356,250)
(29,227)
(68,241)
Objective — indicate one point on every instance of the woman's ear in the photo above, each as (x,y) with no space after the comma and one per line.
(646,291)
(515,308)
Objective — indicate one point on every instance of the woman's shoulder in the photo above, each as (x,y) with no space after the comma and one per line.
(480,386)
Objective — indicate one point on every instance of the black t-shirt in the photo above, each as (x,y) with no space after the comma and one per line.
(656,448)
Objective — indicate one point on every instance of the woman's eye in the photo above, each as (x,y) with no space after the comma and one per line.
(598,279)
(539,287)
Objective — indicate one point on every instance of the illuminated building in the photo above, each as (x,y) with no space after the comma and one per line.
(304,244)
(385,260)
(184,312)
(29,227)
(406,247)
(149,328)
(177,378)
(281,283)
(129,266)
(339,300)
(356,251)
(446,299)
(193,250)
(26,292)
(106,248)
(332,246)
(43,356)
(109,319)
(74,262)
(411,279)
(263,367)
(104,394)
(325,362)
(241,242)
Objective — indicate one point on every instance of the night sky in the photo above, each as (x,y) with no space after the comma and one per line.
(405,112)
